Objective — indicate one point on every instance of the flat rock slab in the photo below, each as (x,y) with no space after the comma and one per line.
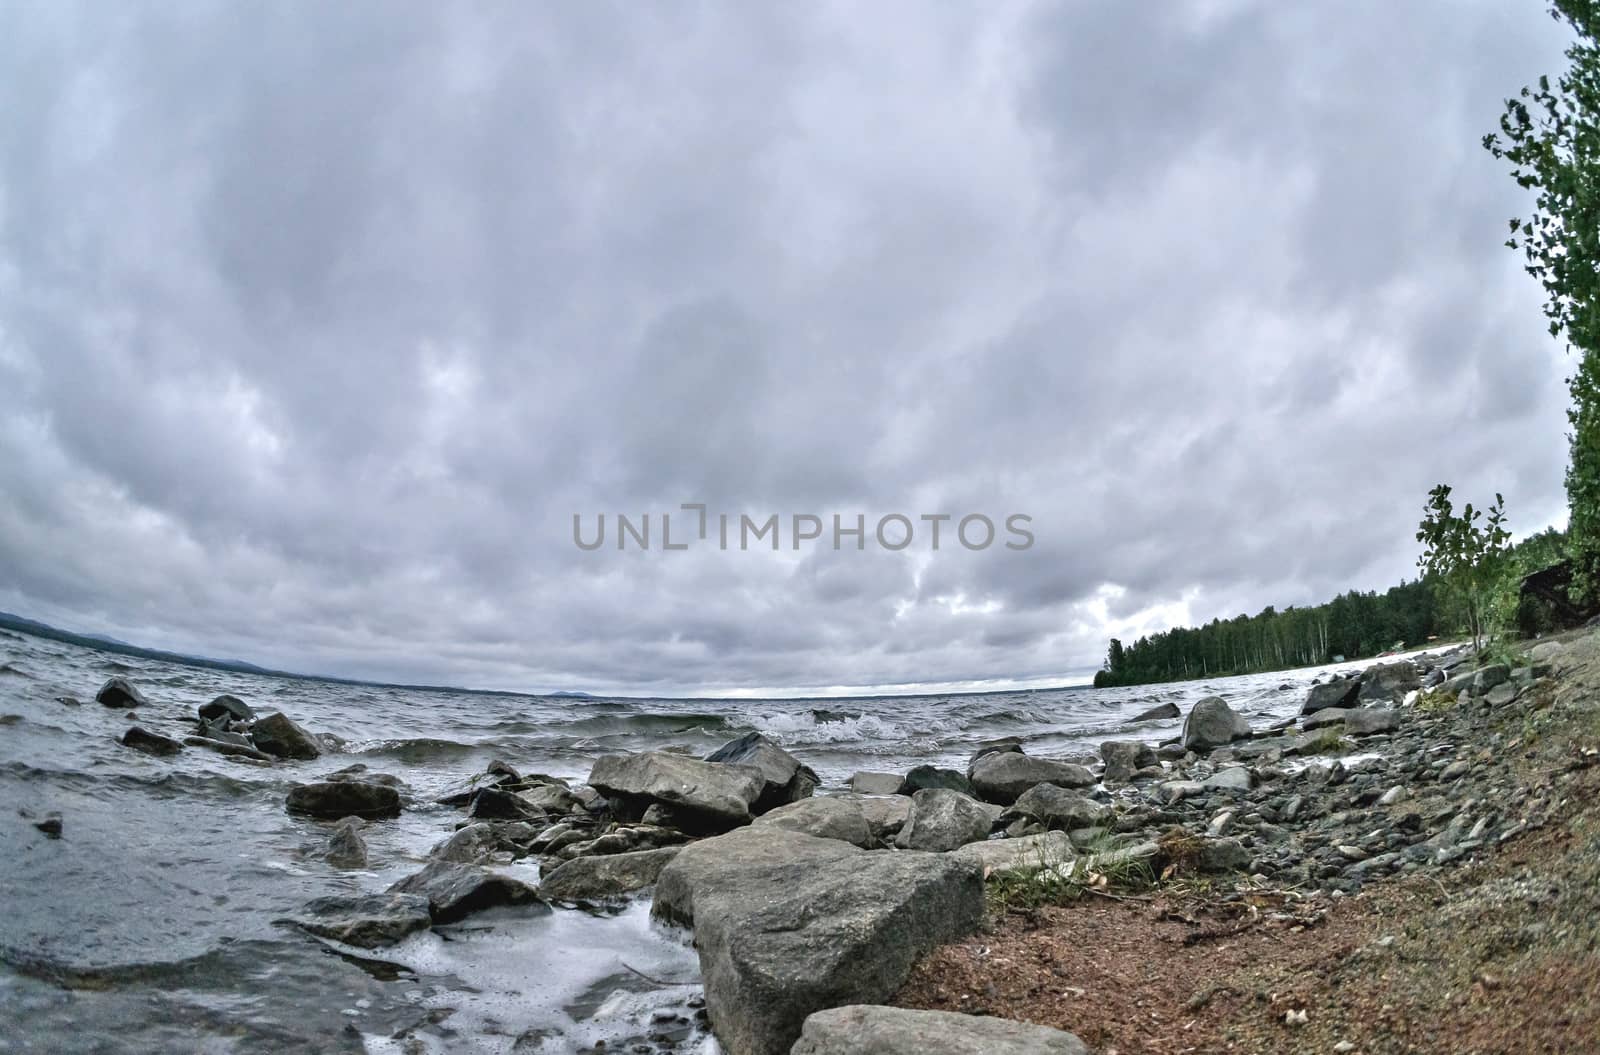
(333,799)
(712,796)
(455,891)
(366,920)
(789,924)
(606,876)
(1003,776)
(1028,853)
(874,1030)
(278,735)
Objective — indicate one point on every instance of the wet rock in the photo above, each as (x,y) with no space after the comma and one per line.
(366,921)
(229,708)
(359,771)
(334,799)
(277,735)
(1212,723)
(785,778)
(69,701)
(923,777)
(866,783)
(788,924)
(943,820)
(481,841)
(141,739)
(706,796)
(1002,777)
(1367,721)
(222,747)
(120,692)
(1057,808)
(455,891)
(551,798)
(1030,852)
(826,818)
(51,825)
(346,848)
(1124,758)
(493,804)
(874,1030)
(1159,713)
(1338,693)
(1387,682)
(607,876)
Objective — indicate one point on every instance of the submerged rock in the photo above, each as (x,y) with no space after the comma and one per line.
(492,804)
(1212,723)
(944,820)
(277,735)
(876,1030)
(1003,776)
(785,778)
(455,891)
(120,692)
(142,739)
(333,799)
(707,796)
(789,924)
(606,876)
(365,920)
(346,848)
(826,818)
(227,707)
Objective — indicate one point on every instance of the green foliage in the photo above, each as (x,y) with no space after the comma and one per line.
(1551,137)
(1465,557)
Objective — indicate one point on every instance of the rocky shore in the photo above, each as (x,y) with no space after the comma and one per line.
(811,907)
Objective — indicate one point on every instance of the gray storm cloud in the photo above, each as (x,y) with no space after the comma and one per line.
(317,325)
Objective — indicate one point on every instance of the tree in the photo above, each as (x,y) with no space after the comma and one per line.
(1463,555)
(1551,136)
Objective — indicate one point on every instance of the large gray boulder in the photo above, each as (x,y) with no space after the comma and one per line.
(874,1030)
(944,820)
(365,920)
(227,707)
(885,815)
(1341,692)
(1002,776)
(120,692)
(333,799)
(1212,723)
(706,796)
(278,736)
(1057,808)
(1387,682)
(826,818)
(606,876)
(1124,758)
(789,924)
(455,891)
(785,778)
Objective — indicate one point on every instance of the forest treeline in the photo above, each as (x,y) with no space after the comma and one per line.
(1354,625)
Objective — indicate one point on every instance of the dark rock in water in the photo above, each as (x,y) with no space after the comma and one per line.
(222,748)
(606,876)
(228,707)
(942,820)
(366,921)
(785,778)
(218,730)
(69,701)
(455,891)
(788,924)
(493,804)
(875,1030)
(346,848)
(923,777)
(472,844)
(277,735)
(1340,692)
(868,783)
(1212,723)
(1124,758)
(1158,713)
(333,799)
(706,796)
(1001,778)
(825,817)
(142,739)
(119,692)
(359,771)
(503,770)
(1058,809)
(51,825)
(1387,682)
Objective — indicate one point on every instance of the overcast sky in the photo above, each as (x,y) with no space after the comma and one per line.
(319,323)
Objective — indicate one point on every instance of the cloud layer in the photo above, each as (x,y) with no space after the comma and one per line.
(317,328)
